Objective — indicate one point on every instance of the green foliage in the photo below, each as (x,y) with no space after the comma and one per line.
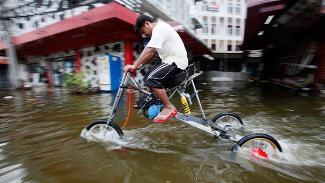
(75,82)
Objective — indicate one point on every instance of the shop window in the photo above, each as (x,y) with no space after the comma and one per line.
(38,73)
(69,66)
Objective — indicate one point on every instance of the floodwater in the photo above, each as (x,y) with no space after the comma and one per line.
(40,139)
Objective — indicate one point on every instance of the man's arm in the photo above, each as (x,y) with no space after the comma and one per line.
(144,58)
(146,55)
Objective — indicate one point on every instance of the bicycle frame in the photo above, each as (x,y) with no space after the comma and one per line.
(203,124)
(179,88)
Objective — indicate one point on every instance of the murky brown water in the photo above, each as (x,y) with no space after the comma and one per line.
(40,139)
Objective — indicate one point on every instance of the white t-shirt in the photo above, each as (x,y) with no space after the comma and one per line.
(169,45)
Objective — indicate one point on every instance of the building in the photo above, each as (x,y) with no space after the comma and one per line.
(284,43)
(73,40)
(223,31)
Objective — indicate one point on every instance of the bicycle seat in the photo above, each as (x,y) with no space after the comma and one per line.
(179,78)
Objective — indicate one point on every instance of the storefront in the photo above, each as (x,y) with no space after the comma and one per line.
(76,43)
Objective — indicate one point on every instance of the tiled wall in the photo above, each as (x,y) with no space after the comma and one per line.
(89,65)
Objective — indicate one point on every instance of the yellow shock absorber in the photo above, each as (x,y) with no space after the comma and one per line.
(185,105)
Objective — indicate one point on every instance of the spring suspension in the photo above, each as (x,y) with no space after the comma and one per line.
(185,105)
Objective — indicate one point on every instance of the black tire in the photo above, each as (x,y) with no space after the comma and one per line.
(224,114)
(249,137)
(104,121)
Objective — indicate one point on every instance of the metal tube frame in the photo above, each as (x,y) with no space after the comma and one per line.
(204,123)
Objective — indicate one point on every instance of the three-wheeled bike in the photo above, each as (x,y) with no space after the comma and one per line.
(220,125)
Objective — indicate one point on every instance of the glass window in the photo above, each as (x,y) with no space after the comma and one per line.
(237,21)
(205,6)
(229,26)
(237,30)
(229,20)
(221,22)
(213,46)
(229,8)
(229,30)
(205,25)
(213,26)
(221,46)
(237,47)
(229,47)
(238,9)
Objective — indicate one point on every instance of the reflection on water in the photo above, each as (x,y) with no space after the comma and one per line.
(40,139)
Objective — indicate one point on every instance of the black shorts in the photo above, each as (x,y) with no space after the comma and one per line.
(160,75)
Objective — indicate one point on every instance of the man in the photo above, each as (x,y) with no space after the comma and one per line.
(165,40)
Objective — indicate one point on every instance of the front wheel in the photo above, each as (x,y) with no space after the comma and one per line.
(98,126)
(227,120)
(258,144)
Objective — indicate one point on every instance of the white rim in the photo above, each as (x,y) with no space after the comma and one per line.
(262,143)
(228,120)
(97,129)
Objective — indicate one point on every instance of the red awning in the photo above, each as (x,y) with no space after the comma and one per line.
(109,23)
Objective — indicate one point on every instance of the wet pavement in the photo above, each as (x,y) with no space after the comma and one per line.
(40,138)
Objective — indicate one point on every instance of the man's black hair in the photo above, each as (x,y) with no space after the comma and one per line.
(140,22)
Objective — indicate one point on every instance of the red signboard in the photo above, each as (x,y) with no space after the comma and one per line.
(213,6)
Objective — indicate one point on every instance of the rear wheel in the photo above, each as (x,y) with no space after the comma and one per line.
(227,120)
(258,144)
(98,126)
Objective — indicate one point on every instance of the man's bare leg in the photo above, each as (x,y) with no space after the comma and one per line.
(168,107)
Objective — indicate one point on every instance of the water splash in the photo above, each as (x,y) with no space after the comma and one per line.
(135,138)
(300,154)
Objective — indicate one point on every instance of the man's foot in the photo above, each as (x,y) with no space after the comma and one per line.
(165,115)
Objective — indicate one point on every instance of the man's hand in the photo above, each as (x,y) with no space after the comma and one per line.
(130,68)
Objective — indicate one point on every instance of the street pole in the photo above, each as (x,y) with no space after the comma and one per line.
(11,54)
